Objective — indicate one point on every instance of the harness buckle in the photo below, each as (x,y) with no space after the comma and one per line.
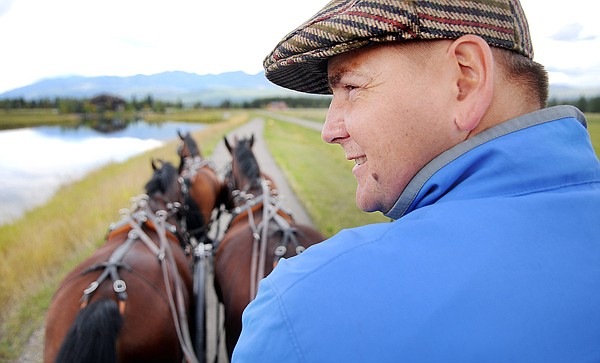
(119,286)
(161,214)
(91,288)
(280,251)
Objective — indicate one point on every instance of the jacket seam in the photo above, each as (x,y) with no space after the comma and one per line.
(287,321)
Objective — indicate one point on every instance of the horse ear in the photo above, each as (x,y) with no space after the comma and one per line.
(180,135)
(251,141)
(227,143)
(154,167)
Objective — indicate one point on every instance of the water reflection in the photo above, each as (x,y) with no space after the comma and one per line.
(35,162)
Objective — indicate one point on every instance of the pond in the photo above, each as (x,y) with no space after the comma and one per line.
(36,161)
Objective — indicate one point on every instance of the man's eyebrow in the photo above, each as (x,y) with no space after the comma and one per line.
(334,79)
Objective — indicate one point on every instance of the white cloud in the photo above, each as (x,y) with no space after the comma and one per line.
(572,32)
(5,6)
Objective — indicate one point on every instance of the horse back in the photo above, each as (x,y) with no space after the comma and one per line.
(232,266)
(148,332)
(206,190)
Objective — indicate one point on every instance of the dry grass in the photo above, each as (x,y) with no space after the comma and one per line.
(594,130)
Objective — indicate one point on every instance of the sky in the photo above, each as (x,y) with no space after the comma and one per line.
(55,38)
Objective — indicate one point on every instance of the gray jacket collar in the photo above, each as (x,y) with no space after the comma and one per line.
(411,191)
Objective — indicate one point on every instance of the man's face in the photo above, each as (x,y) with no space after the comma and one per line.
(391,114)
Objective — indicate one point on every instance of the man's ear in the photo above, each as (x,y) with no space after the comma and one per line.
(475,79)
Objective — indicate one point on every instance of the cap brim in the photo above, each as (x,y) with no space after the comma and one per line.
(307,72)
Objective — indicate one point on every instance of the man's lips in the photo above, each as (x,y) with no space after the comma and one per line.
(359,160)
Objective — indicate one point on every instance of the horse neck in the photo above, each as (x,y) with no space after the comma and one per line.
(251,196)
(191,164)
(252,186)
(144,218)
(193,151)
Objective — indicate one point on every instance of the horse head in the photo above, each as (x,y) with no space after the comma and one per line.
(164,190)
(245,171)
(187,147)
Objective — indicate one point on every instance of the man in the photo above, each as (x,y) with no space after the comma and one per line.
(494,254)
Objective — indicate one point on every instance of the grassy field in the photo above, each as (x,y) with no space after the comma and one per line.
(594,130)
(11,119)
(313,114)
(40,248)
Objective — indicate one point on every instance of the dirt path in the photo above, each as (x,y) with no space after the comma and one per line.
(33,352)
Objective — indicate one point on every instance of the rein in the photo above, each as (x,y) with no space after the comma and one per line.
(272,211)
(134,223)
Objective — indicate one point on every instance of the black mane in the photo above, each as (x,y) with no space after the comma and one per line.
(191,145)
(162,178)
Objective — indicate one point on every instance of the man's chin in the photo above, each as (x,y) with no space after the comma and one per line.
(366,205)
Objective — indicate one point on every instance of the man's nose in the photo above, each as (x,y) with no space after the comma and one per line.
(333,129)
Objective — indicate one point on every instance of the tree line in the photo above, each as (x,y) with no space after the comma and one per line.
(77,105)
(149,103)
(584,104)
(84,105)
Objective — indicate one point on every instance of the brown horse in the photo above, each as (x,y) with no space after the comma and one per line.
(130,301)
(259,234)
(203,186)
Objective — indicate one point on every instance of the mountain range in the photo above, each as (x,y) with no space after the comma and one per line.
(190,88)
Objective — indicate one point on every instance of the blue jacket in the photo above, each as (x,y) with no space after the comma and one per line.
(494,256)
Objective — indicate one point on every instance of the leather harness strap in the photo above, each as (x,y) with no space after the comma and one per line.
(274,219)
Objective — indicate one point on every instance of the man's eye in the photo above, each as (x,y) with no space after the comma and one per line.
(350,87)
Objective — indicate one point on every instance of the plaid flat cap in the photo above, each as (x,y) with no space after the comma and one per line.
(299,61)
